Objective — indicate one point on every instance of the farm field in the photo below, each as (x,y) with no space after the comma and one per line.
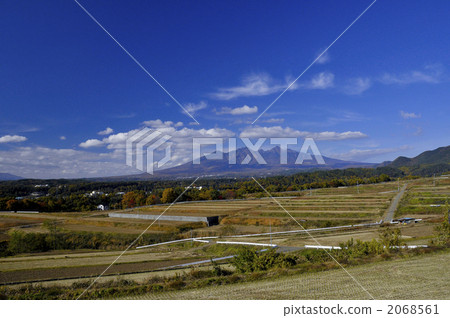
(425,198)
(419,277)
(312,209)
(62,266)
(316,208)
(65,265)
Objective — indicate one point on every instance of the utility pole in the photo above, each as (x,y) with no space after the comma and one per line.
(398,184)
(357,186)
(434,179)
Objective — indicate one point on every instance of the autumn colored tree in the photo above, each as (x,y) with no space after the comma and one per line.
(129,200)
(133,199)
(152,199)
(168,196)
(13,205)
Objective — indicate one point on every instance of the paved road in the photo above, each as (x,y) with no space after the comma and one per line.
(390,213)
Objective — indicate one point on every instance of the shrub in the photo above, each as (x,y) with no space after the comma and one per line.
(248,260)
(219,271)
(389,237)
(443,231)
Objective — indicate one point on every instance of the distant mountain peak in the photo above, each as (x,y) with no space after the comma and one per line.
(8,176)
(222,167)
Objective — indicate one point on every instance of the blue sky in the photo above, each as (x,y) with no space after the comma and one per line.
(382,90)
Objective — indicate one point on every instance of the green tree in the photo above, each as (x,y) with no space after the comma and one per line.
(53,239)
(390,237)
(443,230)
(249,260)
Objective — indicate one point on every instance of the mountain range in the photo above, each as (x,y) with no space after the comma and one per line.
(222,167)
(423,164)
(426,163)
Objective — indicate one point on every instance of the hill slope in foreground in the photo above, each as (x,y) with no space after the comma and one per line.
(419,277)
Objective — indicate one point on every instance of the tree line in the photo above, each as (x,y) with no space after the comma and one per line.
(74,195)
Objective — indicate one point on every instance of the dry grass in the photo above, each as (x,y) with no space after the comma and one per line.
(421,277)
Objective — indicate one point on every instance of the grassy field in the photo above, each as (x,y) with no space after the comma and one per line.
(420,277)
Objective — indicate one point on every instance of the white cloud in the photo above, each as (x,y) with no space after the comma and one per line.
(357,85)
(322,80)
(116,141)
(278,131)
(48,163)
(62,138)
(406,115)
(125,116)
(252,85)
(12,138)
(325,58)
(181,140)
(418,132)
(158,123)
(262,84)
(364,154)
(272,120)
(244,110)
(431,74)
(91,143)
(42,162)
(107,131)
(192,108)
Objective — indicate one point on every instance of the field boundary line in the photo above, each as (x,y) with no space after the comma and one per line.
(315,240)
(132,243)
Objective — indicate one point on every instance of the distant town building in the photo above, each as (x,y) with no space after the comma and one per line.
(193,187)
(95,193)
(406,221)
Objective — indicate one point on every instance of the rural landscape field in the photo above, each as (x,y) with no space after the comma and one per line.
(198,259)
